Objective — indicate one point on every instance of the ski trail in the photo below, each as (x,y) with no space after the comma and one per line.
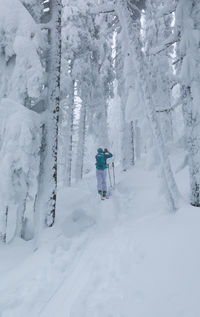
(67,292)
(64,273)
(82,272)
(72,286)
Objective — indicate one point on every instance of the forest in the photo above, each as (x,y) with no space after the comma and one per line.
(76,76)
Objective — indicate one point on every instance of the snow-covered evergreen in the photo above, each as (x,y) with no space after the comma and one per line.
(21,72)
(187,30)
(76,76)
(20,142)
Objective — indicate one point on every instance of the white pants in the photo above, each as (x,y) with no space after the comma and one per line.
(101,179)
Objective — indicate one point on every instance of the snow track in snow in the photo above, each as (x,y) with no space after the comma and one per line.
(70,289)
(57,262)
(121,257)
(65,294)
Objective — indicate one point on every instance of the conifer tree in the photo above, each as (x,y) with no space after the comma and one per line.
(132,31)
(187,34)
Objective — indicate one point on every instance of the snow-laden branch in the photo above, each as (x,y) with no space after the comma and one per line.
(178,60)
(134,7)
(103,9)
(166,44)
(166,10)
(45,25)
(111,9)
(172,108)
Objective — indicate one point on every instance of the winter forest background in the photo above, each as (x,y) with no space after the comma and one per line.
(76,75)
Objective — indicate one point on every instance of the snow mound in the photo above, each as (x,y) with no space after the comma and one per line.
(77,222)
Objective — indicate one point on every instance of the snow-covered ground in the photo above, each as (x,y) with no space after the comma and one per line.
(123,257)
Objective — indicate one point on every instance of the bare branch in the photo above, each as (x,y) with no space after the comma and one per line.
(177,60)
(163,46)
(168,110)
(103,9)
(166,11)
(164,110)
(110,11)
(174,84)
(134,7)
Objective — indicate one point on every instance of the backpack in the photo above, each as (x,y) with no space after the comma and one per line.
(100,161)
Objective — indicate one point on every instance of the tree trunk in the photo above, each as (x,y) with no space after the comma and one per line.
(192,124)
(3,225)
(187,51)
(20,225)
(81,143)
(47,193)
(69,136)
(125,136)
(138,141)
(132,143)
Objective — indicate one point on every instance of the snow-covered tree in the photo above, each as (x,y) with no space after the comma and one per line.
(46,201)
(187,33)
(131,99)
(88,46)
(21,74)
(158,30)
(19,155)
(21,79)
(28,48)
(140,61)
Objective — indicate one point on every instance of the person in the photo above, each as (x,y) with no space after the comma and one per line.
(101,171)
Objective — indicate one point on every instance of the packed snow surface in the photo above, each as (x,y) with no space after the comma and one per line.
(123,257)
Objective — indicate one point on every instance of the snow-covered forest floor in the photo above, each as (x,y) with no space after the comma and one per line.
(123,257)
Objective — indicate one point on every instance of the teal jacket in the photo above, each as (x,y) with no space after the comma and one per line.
(101,158)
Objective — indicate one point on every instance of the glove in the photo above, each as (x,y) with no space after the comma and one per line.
(105,150)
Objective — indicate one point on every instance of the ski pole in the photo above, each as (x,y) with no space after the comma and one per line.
(109,176)
(113,166)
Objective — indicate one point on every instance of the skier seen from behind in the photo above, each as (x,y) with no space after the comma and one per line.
(101,172)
